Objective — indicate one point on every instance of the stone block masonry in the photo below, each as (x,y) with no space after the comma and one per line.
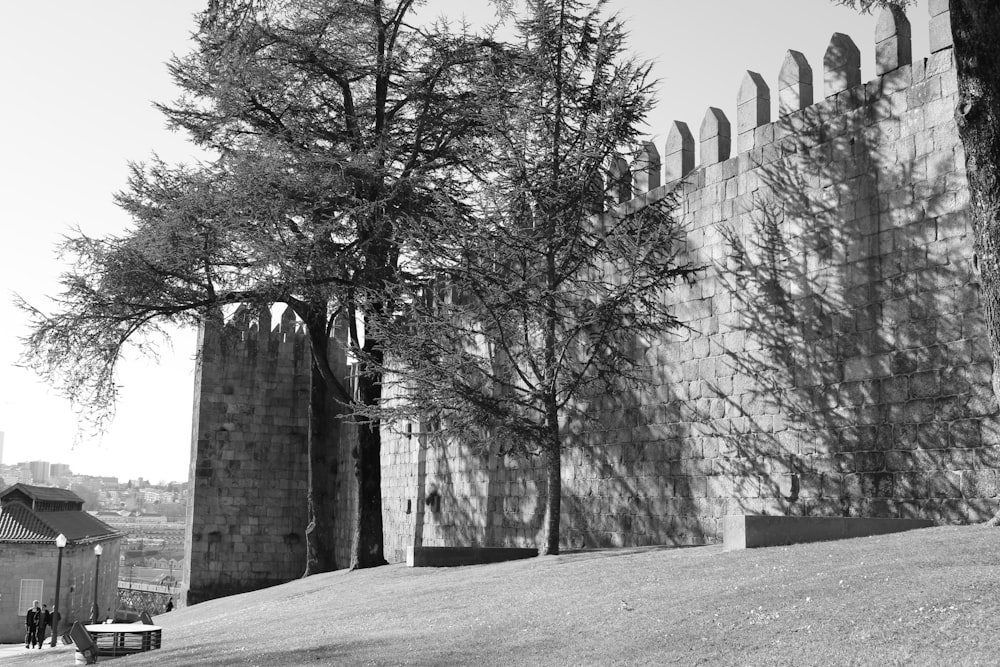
(247,508)
(836,361)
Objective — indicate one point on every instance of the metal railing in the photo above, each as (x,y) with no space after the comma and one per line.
(147,588)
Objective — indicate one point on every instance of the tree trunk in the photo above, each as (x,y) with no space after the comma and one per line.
(553,481)
(975,25)
(323,443)
(367,547)
(553,502)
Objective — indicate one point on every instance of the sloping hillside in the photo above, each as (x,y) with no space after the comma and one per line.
(923,597)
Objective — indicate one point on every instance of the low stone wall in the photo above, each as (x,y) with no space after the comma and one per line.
(748,532)
(458,556)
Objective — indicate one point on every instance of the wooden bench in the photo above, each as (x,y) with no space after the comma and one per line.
(117,639)
(85,644)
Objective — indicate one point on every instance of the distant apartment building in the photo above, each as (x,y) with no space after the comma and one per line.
(156,496)
(60,470)
(40,471)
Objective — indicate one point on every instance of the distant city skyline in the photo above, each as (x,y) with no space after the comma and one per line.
(84,109)
(50,473)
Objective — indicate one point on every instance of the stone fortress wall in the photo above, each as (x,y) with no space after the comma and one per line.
(834,363)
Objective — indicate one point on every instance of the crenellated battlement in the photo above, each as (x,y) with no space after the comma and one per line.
(257,324)
(631,183)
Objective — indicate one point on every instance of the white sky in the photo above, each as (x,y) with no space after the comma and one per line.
(80,79)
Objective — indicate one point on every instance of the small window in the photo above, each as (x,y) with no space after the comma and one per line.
(31,590)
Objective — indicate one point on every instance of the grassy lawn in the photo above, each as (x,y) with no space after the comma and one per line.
(927,597)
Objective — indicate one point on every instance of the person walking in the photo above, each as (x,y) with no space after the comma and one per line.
(170,604)
(31,620)
(44,621)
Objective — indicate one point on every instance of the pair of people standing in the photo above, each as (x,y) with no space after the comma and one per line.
(36,620)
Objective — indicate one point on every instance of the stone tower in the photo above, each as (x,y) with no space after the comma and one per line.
(247,510)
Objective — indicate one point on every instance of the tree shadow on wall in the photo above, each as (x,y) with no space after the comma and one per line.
(481,497)
(628,481)
(860,376)
(624,483)
(835,363)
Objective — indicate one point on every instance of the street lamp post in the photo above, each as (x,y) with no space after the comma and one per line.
(61,544)
(98,550)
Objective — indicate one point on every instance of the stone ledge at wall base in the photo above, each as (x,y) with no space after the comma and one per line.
(750,531)
(457,556)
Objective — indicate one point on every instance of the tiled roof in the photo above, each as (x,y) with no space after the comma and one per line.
(44,493)
(18,523)
(78,525)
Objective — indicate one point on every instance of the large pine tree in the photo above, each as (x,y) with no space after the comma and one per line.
(537,298)
(331,126)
